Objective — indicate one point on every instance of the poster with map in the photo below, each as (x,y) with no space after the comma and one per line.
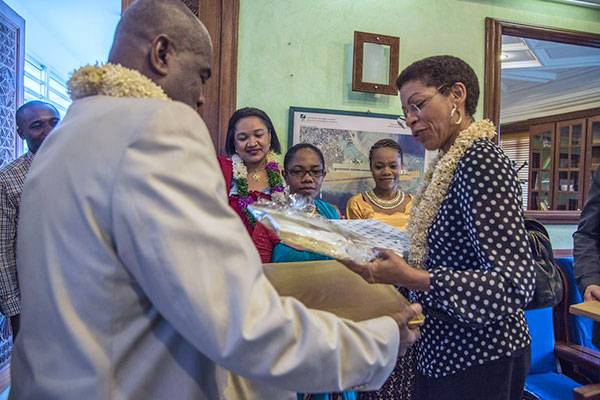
(345,138)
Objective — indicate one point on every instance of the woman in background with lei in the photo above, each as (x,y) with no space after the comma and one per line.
(252,171)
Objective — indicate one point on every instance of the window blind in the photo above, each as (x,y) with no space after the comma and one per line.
(516,146)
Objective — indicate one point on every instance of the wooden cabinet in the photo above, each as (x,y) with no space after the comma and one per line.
(592,155)
(568,176)
(563,157)
(541,143)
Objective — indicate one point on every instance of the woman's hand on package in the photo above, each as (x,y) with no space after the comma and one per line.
(390,268)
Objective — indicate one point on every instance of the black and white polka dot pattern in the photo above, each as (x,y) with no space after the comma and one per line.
(481,268)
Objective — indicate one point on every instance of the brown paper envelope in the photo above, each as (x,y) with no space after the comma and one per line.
(330,286)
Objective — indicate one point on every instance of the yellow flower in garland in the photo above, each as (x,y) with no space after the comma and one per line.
(112,80)
(436,183)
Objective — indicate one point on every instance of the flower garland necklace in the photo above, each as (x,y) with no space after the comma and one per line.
(436,182)
(112,80)
(117,81)
(240,175)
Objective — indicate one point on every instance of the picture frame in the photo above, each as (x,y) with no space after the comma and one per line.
(370,71)
(345,138)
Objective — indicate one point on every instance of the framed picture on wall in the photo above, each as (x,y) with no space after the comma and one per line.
(345,138)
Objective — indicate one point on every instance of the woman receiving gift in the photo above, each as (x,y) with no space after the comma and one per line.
(252,172)
(386,202)
(470,263)
(304,170)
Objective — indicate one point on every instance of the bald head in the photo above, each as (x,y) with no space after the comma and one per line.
(163,40)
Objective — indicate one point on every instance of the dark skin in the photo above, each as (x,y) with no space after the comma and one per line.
(181,71)
(305,185)
(35,123)
(436,128)
(252,142)
(385,168)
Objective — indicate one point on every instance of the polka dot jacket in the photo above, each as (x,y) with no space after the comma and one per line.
(481,268)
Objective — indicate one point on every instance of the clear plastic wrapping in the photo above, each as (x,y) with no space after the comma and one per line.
(298,225)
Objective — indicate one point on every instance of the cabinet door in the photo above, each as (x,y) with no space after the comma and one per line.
(540,168)
(592,157)
(568,172)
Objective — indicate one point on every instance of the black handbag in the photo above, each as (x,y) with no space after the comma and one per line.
(548,283)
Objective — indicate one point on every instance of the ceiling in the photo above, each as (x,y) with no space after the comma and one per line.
(84,27)
(544,78)
(538,77)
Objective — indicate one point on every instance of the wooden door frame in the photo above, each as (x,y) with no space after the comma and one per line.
(494,29)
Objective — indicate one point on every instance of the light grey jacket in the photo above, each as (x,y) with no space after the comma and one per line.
(138,279)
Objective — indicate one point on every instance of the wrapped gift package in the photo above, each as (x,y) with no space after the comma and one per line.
(354,240)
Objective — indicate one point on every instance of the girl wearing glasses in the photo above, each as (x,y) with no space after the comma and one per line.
(470,263)
(386,202)
(304,170)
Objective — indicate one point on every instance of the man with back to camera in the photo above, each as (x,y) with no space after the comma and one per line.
(35,120)
(586,249)
(137,277)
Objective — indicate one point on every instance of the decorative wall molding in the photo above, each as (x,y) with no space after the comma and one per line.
(12,64)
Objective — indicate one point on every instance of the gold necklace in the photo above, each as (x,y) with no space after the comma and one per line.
(383,203)
(256,175)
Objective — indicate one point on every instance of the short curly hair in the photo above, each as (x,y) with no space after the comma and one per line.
(250,112)
(443,71)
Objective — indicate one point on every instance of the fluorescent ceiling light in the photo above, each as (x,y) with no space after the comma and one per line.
(582,3)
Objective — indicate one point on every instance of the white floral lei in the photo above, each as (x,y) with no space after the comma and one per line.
(436,182)
(240,175)
(112,80)
(240,171)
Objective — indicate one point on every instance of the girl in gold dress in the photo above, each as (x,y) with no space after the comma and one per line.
(386,202)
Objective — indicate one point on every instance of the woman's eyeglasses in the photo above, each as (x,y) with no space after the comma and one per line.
(299,172)
(415,109)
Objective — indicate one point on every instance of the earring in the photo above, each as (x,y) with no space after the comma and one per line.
(321,194)
(454,109)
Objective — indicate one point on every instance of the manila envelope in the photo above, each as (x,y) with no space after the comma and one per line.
(330,286)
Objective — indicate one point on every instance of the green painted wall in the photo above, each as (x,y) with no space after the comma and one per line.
(561,236)
(299,52)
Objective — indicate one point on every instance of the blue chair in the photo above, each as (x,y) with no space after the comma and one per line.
(559,367)
(578,329)
(544,381)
